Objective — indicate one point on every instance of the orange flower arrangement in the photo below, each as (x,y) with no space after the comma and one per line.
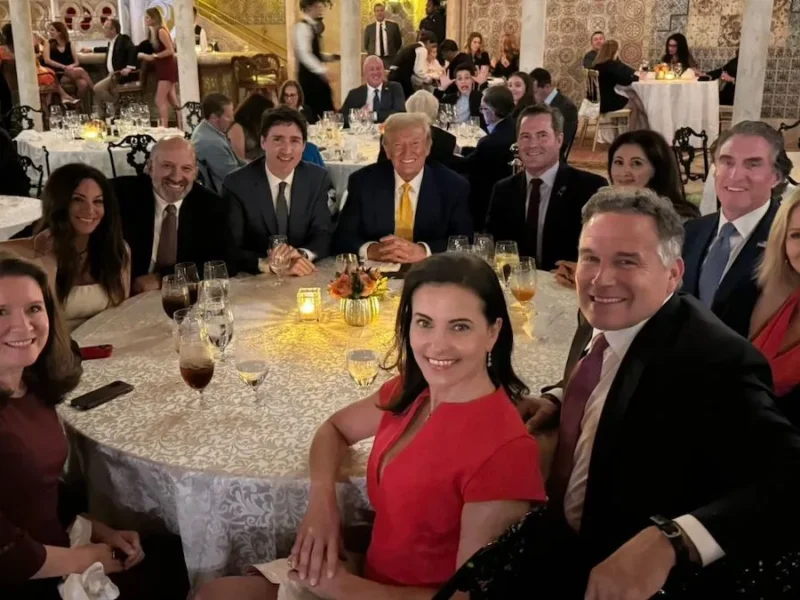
(357,284)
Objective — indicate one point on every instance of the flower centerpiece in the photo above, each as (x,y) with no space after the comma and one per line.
(358,291)
(661,71)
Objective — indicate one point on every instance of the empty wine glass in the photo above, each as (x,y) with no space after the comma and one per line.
(252,364)
(218,322)
(279,261)
(188,271)
(184,317)
(457,243)
(196,360)
(216,269)
(484,246)
(174,294)
(346,263)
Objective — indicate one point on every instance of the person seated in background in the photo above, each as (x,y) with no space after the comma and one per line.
(121,61)
(291,95)
(383,98)
(506,63)
(279,195)
(466,98)
(38,368)
(479,57)
(402,211)
(166,218)
(451,410)
(491,159)
(677,52)
(57,54)
(210,140)
(521,86)
(443,143)
(453,58)
(644,159)
(435,70)
(79,243)
(723,250)
(612,72)
(775,324)
(727,74)
(598,39)
(410,68)
(545,93)
(245,132)
(540,208)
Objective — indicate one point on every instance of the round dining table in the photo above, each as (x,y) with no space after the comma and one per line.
(231,475)
(16,213)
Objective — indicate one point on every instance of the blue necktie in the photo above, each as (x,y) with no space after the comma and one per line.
(715,264)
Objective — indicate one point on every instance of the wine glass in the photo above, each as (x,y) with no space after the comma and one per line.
(346,263)
(363,355)
(457,243)
(252,363)
(218,321)
(279,262)
(211,290)
(678,69)
(484,246)
(195,359)
(522,283)
(188,271)
(506,255)
(187,317)
(174,294)
(216,269)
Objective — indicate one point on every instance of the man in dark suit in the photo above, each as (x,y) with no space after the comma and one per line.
(279,195)
(723,249)
(382,38)
(376,96)
(435,19)
(727,74)
(410,68)
(545,93)
(490,161)
(121,61)
(166,219)
(646,482)
(540,208)
(402,211)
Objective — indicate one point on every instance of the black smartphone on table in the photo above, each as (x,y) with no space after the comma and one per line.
(101,395)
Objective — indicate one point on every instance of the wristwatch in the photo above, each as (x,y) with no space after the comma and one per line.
(674,534)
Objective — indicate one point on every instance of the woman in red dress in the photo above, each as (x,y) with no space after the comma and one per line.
(166,66)
(452,465)
(775,324)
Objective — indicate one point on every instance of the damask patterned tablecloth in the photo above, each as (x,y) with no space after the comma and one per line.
(91,152)
(16,213)
(232,479)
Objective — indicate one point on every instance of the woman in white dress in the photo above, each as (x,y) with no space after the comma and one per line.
(79,243)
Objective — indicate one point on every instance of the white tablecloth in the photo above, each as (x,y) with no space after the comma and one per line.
(95,153)
(233,480)
(17,212)
(671,105)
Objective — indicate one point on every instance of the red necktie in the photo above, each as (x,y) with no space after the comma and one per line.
(581,384)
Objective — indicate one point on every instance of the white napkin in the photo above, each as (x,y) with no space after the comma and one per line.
(385,267)
(29,135)
(688,74)
(92,584)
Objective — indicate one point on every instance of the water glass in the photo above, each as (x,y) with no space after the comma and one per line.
(484,246)
(457,243)
(218,322)
(217,269)
(279,262)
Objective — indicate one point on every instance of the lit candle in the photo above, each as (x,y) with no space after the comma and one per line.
(309,303)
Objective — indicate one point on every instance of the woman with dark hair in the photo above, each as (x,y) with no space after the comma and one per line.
(612,72)
(643,159)
(291,95)
(521,86)
(450,412)
(480,58)
(80,242)
(677,52)
(37,369)
(57,54)
(244,133)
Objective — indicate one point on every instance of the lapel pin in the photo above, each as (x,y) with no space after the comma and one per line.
(761,245)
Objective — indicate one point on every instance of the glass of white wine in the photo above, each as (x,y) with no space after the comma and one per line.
(252,364)
(522,284)
(506,256)
(362,366)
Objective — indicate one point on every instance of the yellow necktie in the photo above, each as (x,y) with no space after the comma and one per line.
(404,219)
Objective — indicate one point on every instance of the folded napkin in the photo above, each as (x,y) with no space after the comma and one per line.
(688,74)
(92,584)
(29,135)
(384,267)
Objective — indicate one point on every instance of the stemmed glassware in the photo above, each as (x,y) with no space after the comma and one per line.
(522,284)
(483,246)
(279,262)
(174,294)
(506,255)
(216,269)
(346,262)
(188,271)
(457,243)
(196,360)
(362,359)
(252,364)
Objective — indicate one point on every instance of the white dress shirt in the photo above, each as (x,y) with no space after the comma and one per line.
(110,54)
(618,344)
(380,32)
(745,225)
(462,109)
(420,75)
(303,36)
(161,212)
(274,184)
(545,190)
(203,47)
(550,96)
(413,192)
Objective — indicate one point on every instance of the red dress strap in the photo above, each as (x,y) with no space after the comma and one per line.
(785,365)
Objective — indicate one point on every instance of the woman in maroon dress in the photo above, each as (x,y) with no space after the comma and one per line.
(37,368)
(166,66)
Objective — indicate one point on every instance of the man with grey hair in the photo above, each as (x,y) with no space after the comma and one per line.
(166,219)
(376,96)
(723,249)
(647,483)
(121,61)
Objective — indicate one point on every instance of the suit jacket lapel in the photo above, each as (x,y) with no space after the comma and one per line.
(298,207)
(427,201)
(552,218)
(263,196)
(385,97)
(695,263)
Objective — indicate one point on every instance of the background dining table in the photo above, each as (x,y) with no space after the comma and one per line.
(16,213)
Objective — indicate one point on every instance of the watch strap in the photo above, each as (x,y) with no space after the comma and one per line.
(674,534)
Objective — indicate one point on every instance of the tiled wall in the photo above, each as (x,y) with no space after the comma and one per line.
(492,19)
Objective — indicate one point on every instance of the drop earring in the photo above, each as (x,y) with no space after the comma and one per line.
(489,360)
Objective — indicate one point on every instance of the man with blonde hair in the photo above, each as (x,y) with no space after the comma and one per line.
(402,210)
(376,96)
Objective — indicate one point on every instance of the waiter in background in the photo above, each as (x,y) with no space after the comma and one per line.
(312,74)
(382,38)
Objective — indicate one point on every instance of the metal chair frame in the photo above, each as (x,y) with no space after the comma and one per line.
(685,152)
(139,143)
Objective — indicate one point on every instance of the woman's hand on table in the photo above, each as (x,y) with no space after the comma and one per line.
(317,542)
(126,541)
(565,273)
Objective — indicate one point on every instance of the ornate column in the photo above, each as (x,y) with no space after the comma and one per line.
(187,57)
(291,10)
(54,16)
(124,16)
(455,19)
(753,51)
(350,45)
(24,56)
(532,34)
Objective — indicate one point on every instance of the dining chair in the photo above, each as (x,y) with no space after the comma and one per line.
(21,118)
(205,175)
(34,174)
(787,126)
(686,152)
(193,113)
(139,145)
(615,119)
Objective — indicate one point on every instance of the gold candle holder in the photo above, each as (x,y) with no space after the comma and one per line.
(309,304)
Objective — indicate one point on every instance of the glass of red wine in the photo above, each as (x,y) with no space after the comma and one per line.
(188,270)
(196,358)
(174,294)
